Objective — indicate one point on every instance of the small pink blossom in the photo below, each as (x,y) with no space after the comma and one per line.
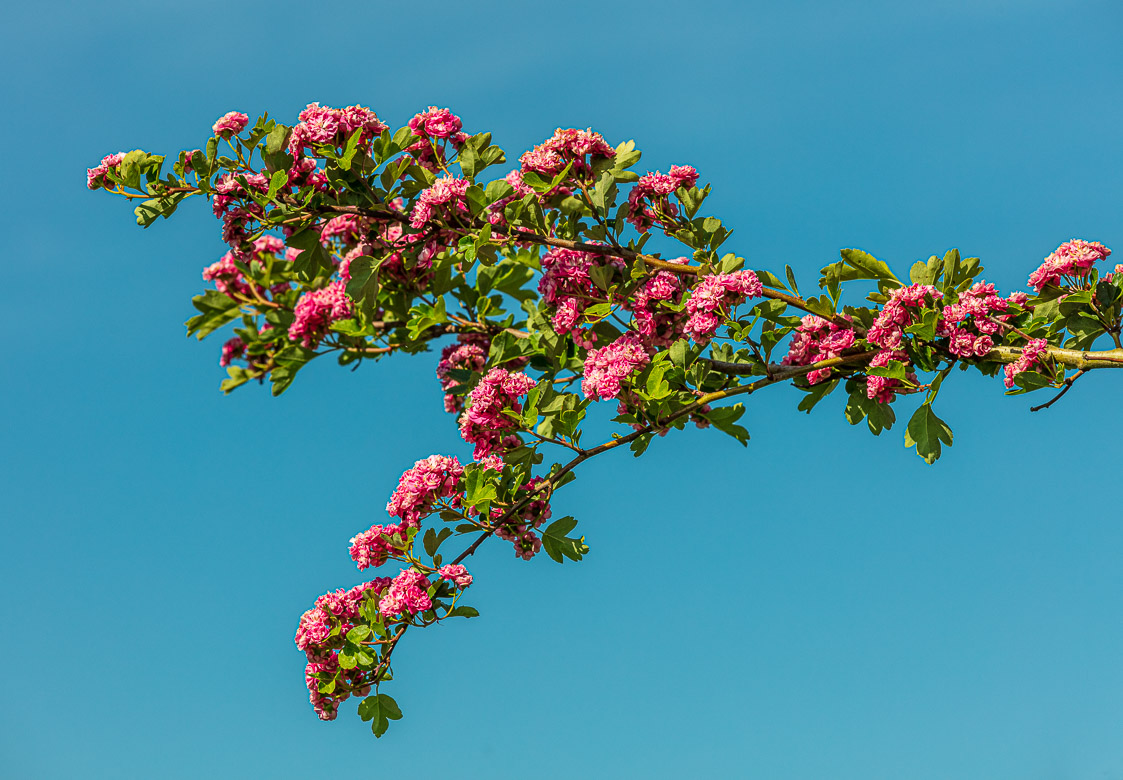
(711,302)
(1072,260)
(430,480)
(316,310)
(484,424)
(1033,352)
(230,124)
(408,593)
(606,368)
(456,574)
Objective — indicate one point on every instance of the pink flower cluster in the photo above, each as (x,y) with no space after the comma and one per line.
(436,123)
(408,593)
(234,348)
(551,156)
(714,298)
(533,515)
(231,123)
(316,310)
(456,574)
(229,279)
(95,177)
(567,286)
(648,202)
(446,193)
(468,353)
(817,339)
(373,547)
(429,480)
(347,228)
(659,326)
(1072,259)
(971,323)
(321,125)
(1032,352)
(901,310)
(884,389)
(314,636)
(605,368)
(484,424)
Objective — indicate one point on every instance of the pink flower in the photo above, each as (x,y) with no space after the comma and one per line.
(817,339)
(469,353)
(712,300)
(456,574)
(606,368)
(648,201)
(316,310)
(1071,259)
(447,193)
(484,424)
(551,156)
(884,389)
(95,177)
(234,348)
(408,593)
(902,309)
(1032,352)
(435,123)
(375,546)
(322,125)
(230,124)
(420,487)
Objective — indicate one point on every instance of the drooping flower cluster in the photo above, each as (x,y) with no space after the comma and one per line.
(520,532)
(231,350)
(230,123)
(714,298)
(649,202)
(817,339)
(407,595)
(884,389)
(445,197)
(484,424)
(430,480)
(605,368)
(551,156)
(1072,259)
(316,310)
(1032,352)
(468,353)
(320,635)
(567,285)
(95,177)
(321,125)
(348,229)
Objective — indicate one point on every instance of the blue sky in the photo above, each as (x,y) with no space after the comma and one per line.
(820,604)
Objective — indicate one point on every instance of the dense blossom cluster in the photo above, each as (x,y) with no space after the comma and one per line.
(319,635)
(566,147)
(229,279)
(659,325)
(649,201)
(430,480)
(521,532)
(484,424)
(324,126)
(567,286)
(1072,259)
(468,353)
(1033,352)
(316,310)
(817,339)
(714,298)
(407,595)
(606,368)
(971,323)
(456,574)
(445,199)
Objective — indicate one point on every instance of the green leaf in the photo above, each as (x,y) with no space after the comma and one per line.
(358,634)
(557,544)
(724,419)
(363,287)
(925,432)
(816,394)
(866,266)
(379,709)
(217,310)
(464,612)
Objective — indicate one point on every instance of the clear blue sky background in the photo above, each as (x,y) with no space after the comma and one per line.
(821,604)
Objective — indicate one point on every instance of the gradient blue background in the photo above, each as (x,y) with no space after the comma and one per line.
(821,604)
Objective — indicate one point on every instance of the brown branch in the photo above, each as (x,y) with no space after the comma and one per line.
(1067,386)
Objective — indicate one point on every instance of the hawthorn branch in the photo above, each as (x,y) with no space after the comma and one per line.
(1067,386)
